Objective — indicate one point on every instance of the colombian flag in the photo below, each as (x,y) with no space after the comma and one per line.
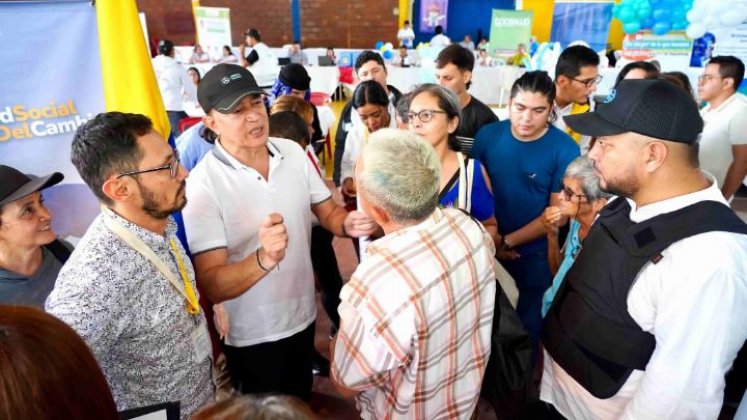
(129,81)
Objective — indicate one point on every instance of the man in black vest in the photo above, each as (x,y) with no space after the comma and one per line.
(654,310)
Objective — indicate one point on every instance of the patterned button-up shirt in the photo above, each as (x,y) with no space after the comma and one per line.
(416,319)
(135,322)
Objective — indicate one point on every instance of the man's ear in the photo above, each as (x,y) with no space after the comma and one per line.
(210,123)
(118,189)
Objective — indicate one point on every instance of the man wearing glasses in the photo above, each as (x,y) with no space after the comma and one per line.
(129,288)
(576,79)
(723,145)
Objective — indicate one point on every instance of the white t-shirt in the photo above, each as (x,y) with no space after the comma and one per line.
(354,142)
(694,301)
(173,82)
(725,126)
(227,201)
(406,36)
(266,69)
(440,41)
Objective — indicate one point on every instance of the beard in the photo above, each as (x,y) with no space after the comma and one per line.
(153,204)
(626,186)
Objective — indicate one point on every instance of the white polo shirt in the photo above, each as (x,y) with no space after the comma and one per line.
(725,126)
(227,201)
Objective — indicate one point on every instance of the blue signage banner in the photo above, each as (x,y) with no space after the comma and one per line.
(581,21)
(50,84)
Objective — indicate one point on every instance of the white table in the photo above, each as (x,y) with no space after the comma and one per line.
(323,79)
(490,85)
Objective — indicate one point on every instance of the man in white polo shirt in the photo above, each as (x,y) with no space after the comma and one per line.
(249,228)
(723,145)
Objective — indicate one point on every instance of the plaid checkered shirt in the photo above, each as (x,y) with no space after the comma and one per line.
(416,319)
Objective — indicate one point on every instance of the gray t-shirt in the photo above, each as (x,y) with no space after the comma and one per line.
(18,289)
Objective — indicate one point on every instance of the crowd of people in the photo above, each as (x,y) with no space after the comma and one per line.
(611,218)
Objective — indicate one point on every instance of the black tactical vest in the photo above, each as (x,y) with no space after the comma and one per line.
(588,330)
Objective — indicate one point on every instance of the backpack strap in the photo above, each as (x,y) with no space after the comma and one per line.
(59,250)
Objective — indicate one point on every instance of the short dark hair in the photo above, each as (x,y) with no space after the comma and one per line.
(457,55)
(367,56)
(107,145)
(652,72)
(199,76)
(678,78)
(572,59)
(402,108)
(407,22)
(47,370)
(729,67)
(537,81)
(370,92)
(439,29)
(289,125)
(254,33)
(165,47)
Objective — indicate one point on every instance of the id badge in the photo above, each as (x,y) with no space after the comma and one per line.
(201,342)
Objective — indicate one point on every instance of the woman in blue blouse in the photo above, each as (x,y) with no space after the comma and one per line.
(434,115)
(581,200)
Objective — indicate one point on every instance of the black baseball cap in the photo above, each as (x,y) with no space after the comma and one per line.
(654,108)
(224,86)
(14,184)
(295,76)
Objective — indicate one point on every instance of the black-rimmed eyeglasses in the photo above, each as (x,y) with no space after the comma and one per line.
(424,115)
(173,168)
(568,194)
(589,82)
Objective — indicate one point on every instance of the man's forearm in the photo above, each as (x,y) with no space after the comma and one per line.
(734,178)
(228,281)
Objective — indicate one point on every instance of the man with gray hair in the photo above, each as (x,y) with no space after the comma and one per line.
(400,349)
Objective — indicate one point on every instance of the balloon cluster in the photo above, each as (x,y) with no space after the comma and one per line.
(660,16)
(714,16)
(386,49)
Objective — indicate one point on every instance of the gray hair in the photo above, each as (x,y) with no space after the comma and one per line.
(582,169)
(401,175)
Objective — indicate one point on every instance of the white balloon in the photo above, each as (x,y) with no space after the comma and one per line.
(695,30)
(695,15)
(388,46)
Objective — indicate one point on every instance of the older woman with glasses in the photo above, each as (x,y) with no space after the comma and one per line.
(434,115)
(581,199)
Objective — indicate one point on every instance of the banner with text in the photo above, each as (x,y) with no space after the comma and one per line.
(46,97)
(672,50)
(508,29)
(213,29)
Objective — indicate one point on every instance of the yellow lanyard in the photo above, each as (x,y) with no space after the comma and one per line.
(193,307)
(577,109)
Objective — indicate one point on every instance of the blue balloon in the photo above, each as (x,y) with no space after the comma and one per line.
(661,14)
(644,12)
(631,27)
(647,23)
(616,11)
(680,25)
(661,28)
(679,14)
(388,54)
(378,45)
(627,14)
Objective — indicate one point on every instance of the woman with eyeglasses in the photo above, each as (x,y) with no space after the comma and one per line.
(434,115)
(526,158)
(581,199)
(371,103)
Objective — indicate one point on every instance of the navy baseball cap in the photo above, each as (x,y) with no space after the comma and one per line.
(224,86)
(653,108)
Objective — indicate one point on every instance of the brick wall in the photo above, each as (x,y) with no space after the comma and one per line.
(173,19)
(348,24)
(341,23)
